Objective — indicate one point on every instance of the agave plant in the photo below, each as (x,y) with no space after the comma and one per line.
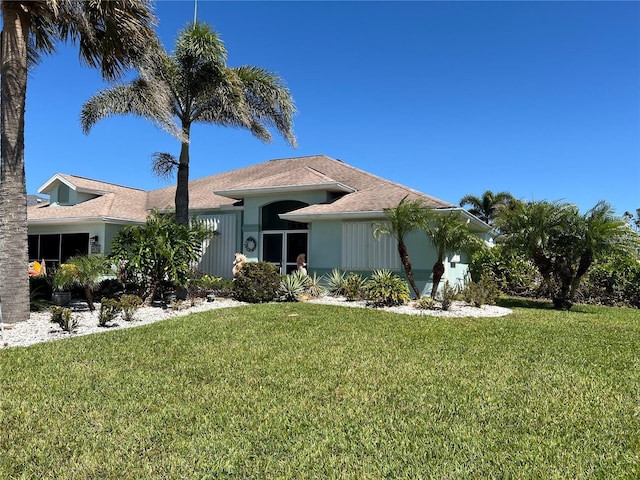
(293,286)
(335,282)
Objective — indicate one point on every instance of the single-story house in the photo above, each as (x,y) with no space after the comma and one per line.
(271,211)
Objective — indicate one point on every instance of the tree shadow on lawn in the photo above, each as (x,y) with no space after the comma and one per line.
(540,304)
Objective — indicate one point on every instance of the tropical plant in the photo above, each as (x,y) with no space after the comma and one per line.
(293,286)
(314,288)
(512,273)
(633,221)
(109,310)
(481,292)
(194,84)
(158,251)
(488,206)
(63,317)
(257,282)
(425,303)
(335,282)
(407,217)
(129,305)
(448,233)
(386,289)
(354,287)
(447,295)
(85,271)
(563,244)
(110,34)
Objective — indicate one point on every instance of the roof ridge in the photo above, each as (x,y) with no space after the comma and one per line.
(102,182)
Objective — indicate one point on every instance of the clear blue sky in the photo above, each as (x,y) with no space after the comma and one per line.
(541,99)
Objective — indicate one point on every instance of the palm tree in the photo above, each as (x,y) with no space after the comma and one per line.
(110,35)
(194,84)
(448,233)
(407,217)
(563,244)
(488,206)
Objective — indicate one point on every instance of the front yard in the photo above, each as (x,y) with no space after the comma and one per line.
(315,391)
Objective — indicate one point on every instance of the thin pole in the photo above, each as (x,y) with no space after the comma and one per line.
(195,10)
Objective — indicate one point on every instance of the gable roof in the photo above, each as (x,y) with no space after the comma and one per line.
(113,203)
(359,193)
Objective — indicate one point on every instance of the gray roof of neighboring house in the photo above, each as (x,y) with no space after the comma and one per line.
(361,191)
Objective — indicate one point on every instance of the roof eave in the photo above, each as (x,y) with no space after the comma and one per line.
(252,192)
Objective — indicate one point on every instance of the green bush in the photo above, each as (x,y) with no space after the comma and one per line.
(386,289)
(447,295)
(512,274)
(109,309)
(40,291)
(614,282)
(482,292)
(257,282)
(62,316)
(425,303)
(293,286)
(354,287)
(335,282)
(129,304)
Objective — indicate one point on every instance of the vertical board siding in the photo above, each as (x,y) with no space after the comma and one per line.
(361,251)
(218,253)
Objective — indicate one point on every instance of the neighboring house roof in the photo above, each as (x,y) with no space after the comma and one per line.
(112,203)
(357,193)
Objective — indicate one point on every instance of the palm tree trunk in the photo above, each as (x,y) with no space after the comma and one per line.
(14,255)
(438,272)
(182,185)
(404,257)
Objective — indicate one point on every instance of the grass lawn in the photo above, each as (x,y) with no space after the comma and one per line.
(316,391)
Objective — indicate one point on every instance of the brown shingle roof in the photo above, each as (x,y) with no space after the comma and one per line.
(370,193)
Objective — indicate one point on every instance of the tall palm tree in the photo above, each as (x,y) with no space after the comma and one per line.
(488,206)
(448,233)
(194,84)
(407,217)
(110,35)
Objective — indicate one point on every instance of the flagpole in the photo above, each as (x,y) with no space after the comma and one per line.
(195,10)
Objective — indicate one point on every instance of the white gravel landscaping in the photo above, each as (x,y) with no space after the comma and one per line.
(40,329)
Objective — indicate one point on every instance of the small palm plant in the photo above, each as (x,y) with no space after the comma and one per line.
(386,289)
(87,272)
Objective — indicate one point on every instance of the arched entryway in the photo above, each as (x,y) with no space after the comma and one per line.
(283,240)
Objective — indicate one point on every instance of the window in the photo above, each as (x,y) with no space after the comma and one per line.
(57,248)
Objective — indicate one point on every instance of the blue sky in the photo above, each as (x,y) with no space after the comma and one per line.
(541,99)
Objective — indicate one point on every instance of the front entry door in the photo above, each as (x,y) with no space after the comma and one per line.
(282,248)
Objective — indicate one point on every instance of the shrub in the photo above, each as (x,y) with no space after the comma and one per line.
(335,282)
(257,282)
(39,292)
(614,281)
(129,304)
(293,286)
(109,309)
(353,287)
(314,286)
(62,316)
(482,292)
(447,295)
(109,288)
(512,274)
(386,289)
(425,303)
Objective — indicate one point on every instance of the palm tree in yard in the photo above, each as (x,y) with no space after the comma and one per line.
(110,35)
(194,84)
(488,206)
(407,217)
(448,233)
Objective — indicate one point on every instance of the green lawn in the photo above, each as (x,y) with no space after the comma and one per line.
(313,391)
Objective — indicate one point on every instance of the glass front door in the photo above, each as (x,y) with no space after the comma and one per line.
(282,248)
